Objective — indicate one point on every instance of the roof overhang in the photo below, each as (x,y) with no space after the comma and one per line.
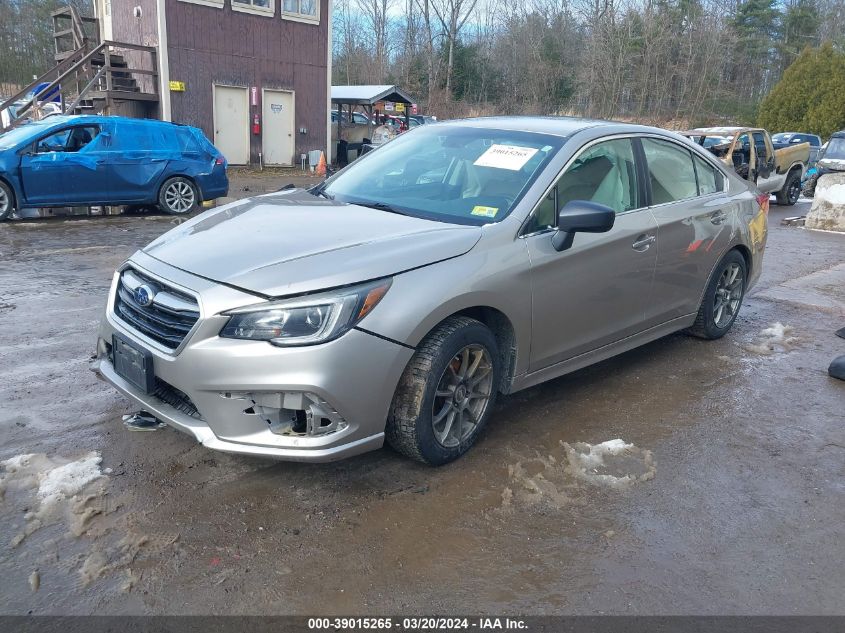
(369,95)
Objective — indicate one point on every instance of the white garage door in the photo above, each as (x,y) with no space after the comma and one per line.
(231,123)
(278,118)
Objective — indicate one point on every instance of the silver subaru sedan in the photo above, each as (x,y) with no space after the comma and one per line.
(396,300)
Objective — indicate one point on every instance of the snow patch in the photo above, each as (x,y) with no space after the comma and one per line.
(614,463)
(834,194)
(774,339)
(57,484)
(68,480)
(554,482)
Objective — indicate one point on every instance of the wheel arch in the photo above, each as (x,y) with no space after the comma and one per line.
(743,250)
(746,255)
(15,194)
(188,177)
(503,331)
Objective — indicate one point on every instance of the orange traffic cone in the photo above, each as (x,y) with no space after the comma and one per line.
(321,165)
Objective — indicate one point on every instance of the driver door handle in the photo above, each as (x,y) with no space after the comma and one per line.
(643,242)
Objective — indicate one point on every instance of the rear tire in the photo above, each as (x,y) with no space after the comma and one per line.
(7,201)
(178,196)
(447,392)
(722,298)
(791,190)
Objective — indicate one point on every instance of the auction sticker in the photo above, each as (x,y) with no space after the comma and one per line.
(510,157)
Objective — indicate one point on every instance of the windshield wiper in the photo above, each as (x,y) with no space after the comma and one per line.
(320,190)
(381,206)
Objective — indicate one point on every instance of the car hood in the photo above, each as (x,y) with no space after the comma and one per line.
(837,164)
(293,242)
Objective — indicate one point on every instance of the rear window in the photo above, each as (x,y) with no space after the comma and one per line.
(671,171)
(186,141)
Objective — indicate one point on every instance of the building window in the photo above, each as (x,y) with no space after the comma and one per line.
(218,4)
(301,10)
(261,7)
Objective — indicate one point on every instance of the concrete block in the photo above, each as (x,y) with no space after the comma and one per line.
(828,210)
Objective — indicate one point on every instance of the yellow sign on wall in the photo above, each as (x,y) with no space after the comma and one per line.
(177,86)
(400,107)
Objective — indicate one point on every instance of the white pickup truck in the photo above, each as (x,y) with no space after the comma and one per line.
(749,151)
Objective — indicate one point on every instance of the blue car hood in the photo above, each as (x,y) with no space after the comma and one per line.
(293,242)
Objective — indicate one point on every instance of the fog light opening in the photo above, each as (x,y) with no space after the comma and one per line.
(300,414)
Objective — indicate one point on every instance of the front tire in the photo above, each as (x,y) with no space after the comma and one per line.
(722,298)
(791,190)
(7,201)
(447,392)
(178,196)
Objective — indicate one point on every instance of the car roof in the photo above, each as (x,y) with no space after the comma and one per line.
(839,134)
(58,120)
(563,126)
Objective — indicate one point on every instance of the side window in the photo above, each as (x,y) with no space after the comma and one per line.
(670,171)
(53,143)
(69,140)
(710,179)
(602,173)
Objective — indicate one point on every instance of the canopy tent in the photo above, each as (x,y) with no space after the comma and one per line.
(367,97)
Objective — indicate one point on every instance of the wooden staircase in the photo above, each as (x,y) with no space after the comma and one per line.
(91,77)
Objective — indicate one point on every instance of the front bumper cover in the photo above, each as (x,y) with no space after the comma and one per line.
(354,376)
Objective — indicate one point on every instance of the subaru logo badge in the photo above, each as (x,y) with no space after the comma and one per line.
(144,295)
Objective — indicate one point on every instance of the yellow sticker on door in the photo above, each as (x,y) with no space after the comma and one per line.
(487,212)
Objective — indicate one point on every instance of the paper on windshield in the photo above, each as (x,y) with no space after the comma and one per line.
(510,157)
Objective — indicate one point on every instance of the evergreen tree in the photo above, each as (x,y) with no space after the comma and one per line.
(809,98)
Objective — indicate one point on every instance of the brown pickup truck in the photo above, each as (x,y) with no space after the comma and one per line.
(750,153)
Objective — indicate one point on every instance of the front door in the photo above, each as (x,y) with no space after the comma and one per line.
(596,292)
(231,123)
(67,167)
(277,138)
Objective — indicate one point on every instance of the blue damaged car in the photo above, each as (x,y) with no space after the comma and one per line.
(106,160)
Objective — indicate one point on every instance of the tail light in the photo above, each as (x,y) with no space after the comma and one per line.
(763,201)
(220,161)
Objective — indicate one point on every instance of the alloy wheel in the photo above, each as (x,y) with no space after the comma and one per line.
(179,196)
(462,396)
(794,191)
(5,201)
(728,295)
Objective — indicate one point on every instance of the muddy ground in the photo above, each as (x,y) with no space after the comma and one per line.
(735,504)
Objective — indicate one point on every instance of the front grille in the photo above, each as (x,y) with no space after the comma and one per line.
(169,394)
(166,320)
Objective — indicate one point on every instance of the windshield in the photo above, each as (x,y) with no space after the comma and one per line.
(463,175)
(19,135)
(835,149)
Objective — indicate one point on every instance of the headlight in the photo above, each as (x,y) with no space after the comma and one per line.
(305,320)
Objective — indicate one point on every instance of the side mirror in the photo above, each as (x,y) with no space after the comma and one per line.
(581,216)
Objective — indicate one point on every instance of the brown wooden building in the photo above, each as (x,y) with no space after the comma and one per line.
(254,75)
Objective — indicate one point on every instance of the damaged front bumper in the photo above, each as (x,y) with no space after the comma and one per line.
(316,403)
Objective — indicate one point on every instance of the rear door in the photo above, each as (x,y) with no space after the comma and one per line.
(693,214)
(594,293)
(66,166)
(139,155)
